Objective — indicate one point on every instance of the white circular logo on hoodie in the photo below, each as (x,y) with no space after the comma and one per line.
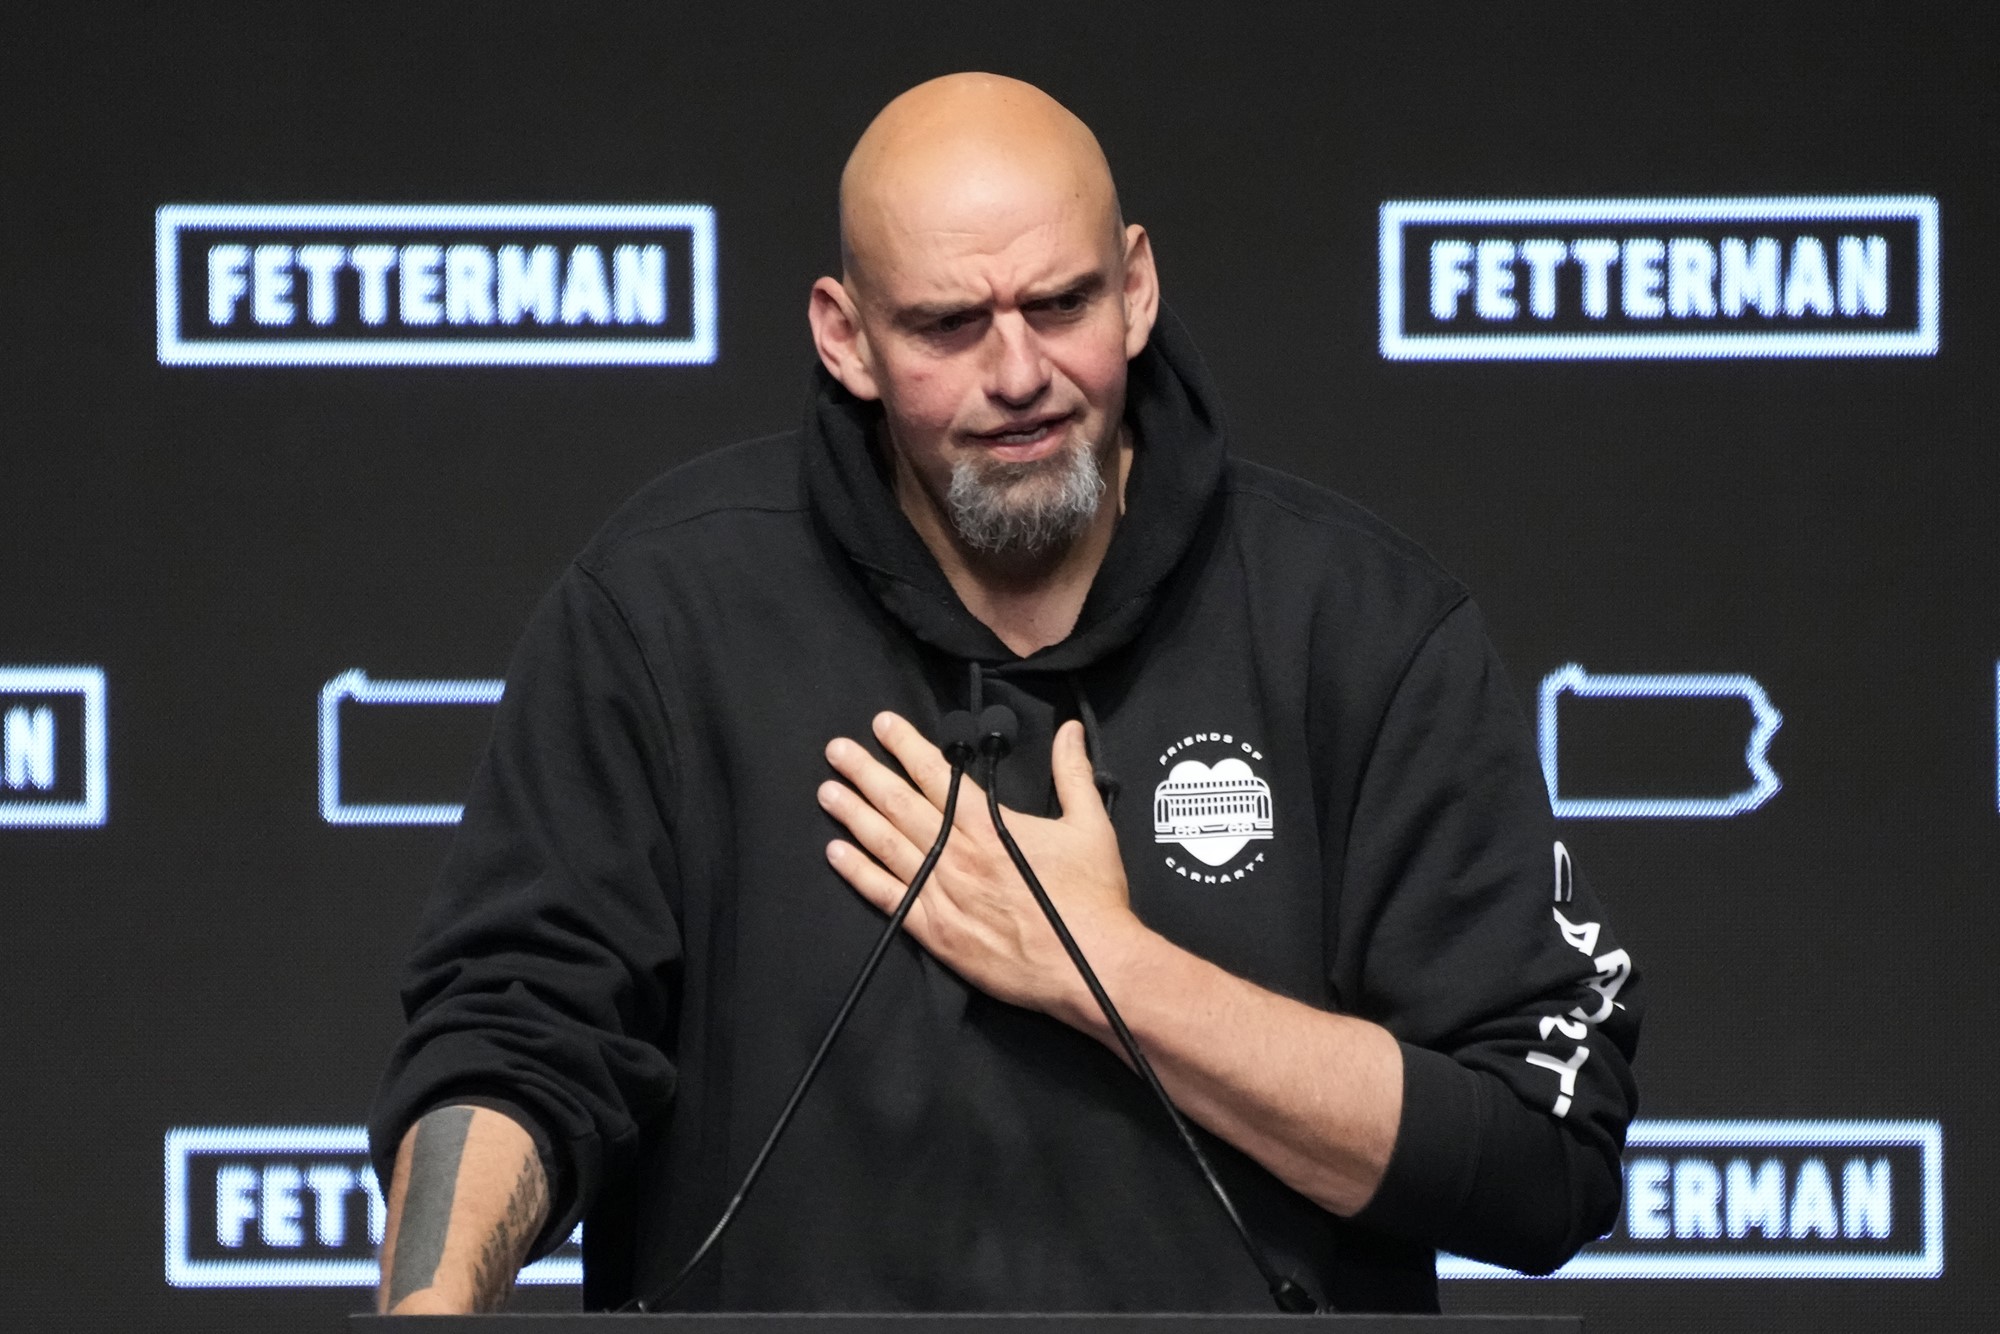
(1212,806)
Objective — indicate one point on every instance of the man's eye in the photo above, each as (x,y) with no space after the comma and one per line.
(1062,305)
(951,323)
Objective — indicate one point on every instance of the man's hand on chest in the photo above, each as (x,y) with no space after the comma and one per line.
(976,915)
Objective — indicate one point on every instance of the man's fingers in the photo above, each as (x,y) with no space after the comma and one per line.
(870,881)
(886,790)
(1076,778)
(921,760)
(872,830)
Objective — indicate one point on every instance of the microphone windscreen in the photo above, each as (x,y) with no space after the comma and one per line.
(998,725)
(957,732)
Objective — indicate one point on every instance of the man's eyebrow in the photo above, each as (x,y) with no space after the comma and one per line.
(928,312)
(921,313)
(1086,284)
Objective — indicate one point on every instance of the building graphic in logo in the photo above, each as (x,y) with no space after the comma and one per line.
(1212,805)
(1511,279)
(435,284)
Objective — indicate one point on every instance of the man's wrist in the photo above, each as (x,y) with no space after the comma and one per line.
(1120,950)
(439,1299)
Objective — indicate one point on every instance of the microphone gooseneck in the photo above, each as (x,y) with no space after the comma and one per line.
(998,728)
(958,735)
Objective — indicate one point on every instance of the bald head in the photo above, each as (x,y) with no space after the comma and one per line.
(965,153)
(991,301)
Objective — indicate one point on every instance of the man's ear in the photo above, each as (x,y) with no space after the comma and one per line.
(842,343)
(1142,290)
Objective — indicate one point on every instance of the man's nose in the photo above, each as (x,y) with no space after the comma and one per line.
(1020,373)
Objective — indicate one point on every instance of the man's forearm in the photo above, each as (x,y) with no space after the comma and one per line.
(1315,1097)
(467,1199)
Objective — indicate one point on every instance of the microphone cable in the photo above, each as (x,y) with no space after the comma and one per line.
(958,734)
(998,728)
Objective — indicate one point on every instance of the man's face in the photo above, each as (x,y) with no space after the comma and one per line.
(996,334)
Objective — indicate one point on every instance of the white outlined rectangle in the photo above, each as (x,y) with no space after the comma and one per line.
(92,808)
(549,349)
(186,1270)
(1398,343)
(1926,1260)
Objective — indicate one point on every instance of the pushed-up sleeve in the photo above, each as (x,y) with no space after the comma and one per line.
(1465,929)
(545,978)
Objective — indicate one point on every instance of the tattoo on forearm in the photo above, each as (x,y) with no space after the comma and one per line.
(435,1155)
(500,1258)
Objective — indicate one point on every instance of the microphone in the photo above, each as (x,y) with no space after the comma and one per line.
(998,730)
(959,738)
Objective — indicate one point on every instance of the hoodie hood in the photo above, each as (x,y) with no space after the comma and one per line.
(1177,461)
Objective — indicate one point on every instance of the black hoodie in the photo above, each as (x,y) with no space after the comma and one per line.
(1327,788)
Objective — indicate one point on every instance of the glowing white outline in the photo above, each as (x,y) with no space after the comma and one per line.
(1765,785)
(94,809)
(1397,345)
(355,685)
(698,348)
(184,1271)
(1928,1263)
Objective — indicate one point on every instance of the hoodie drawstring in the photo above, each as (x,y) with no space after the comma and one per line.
(1107,782)
(1093,740)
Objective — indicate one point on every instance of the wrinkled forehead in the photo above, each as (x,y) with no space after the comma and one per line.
(915,219)
(979,213)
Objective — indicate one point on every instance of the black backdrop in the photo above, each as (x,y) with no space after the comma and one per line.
(222,542)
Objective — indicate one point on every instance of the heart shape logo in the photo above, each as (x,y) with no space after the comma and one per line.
(1211,811)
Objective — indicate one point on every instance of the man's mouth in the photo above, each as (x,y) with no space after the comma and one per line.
(1026,441)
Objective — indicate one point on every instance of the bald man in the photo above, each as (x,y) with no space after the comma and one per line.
(1330,906)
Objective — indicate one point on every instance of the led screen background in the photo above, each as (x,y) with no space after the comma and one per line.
(224,543)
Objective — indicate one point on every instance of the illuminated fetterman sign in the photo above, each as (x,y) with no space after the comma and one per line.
(53,767)
(1769,1199)
(287,1207)
(435,285)
(1831,276)
(298,1206)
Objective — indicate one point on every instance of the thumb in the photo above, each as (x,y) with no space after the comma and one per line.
(1076,778)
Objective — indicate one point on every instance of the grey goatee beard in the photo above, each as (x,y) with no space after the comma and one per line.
(1025,508)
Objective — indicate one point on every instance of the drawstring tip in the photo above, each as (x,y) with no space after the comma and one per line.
(1107,788)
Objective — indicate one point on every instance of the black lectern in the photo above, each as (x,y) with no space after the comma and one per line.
(847,1323)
